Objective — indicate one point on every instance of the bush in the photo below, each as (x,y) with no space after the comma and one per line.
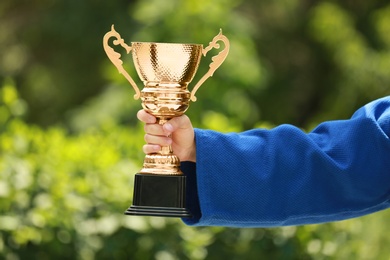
(62,196)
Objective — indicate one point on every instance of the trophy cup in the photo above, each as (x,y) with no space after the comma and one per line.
(166,69)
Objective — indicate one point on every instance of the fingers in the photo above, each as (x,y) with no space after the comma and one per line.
(155,142)
(154,129)
(177,133)
(151,148)
(158,140)
(145,117)
(155,136)
(151,127)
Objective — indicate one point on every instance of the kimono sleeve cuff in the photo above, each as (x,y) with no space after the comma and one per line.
(192,199)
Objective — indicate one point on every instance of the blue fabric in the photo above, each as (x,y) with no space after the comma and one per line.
(284,176)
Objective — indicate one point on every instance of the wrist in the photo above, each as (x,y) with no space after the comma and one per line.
(190,155)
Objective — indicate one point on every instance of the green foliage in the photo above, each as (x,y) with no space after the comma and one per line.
(70,142)
(362,63)
(62,196)
(53,51)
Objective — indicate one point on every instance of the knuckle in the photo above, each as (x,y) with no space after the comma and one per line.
(181,121)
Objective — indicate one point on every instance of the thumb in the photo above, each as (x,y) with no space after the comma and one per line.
(176,123)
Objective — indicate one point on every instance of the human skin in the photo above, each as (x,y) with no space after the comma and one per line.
(177,132)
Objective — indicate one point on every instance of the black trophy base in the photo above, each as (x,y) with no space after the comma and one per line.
(159,196)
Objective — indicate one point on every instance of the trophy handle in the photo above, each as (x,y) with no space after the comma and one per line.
(216,60)
(115,57)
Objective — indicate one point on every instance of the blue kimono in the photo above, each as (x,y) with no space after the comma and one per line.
(284,176)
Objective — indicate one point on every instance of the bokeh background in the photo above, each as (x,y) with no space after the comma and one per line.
(70,142)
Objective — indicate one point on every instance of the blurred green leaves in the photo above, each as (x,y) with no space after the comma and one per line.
(362,65)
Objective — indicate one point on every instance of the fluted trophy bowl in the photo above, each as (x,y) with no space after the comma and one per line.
(166,70)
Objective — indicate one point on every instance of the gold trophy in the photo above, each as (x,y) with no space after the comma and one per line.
(166,69)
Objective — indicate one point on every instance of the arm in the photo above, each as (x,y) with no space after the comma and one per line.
(284,176)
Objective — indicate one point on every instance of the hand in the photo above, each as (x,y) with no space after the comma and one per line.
(177,132)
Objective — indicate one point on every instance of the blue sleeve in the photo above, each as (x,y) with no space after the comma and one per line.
(284,176)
